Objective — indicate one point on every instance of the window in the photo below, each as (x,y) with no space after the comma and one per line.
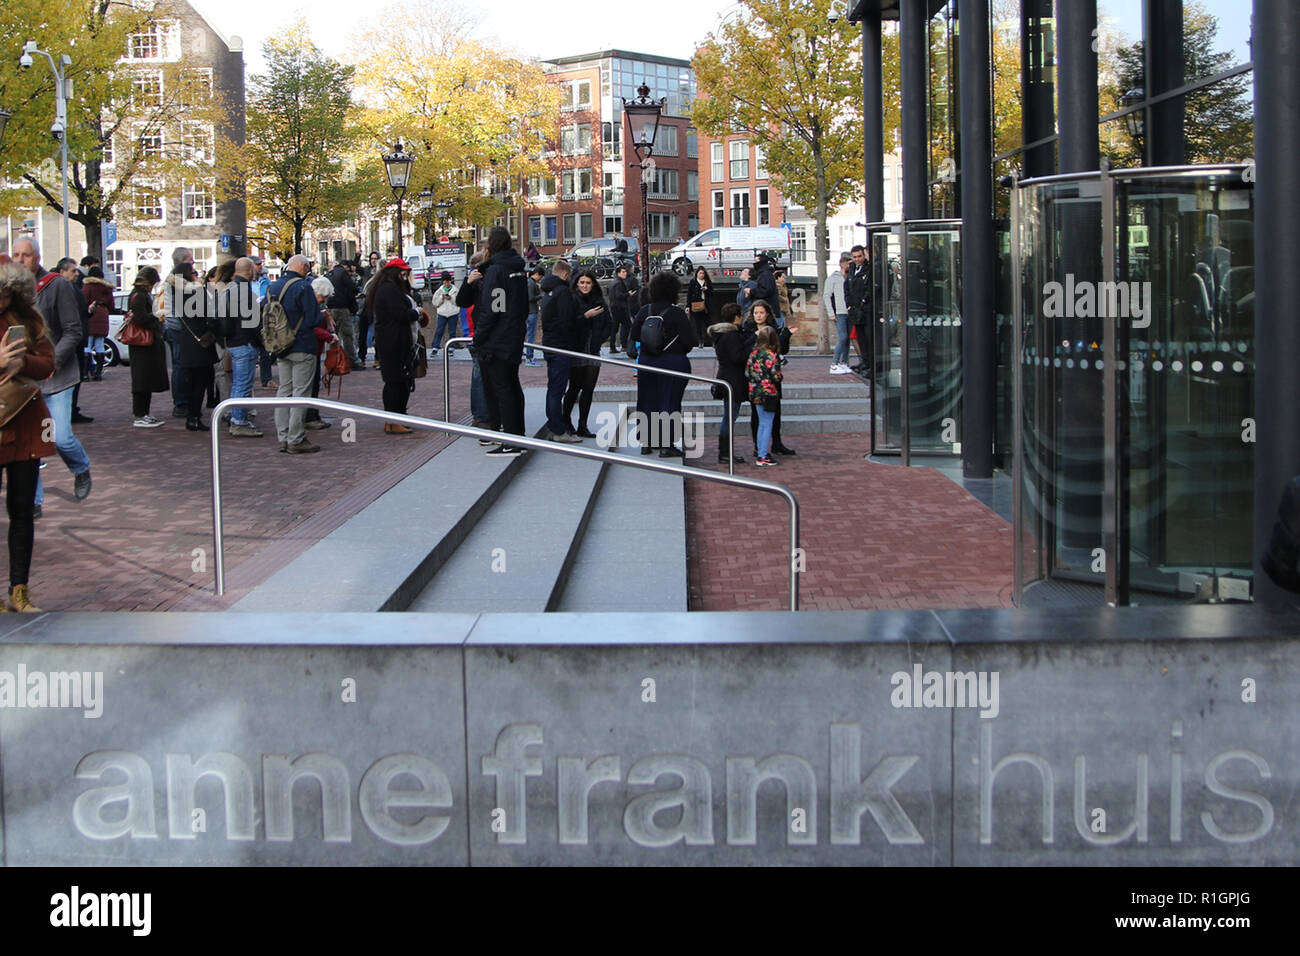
(898,186)
(575,95)
(148,204)
(197,142)
(204,259)
(575,140)
(541,187)
(114,262)
(740,207)
(577,226)
(107,158)
(692,224)
(613,193)
(740,159)
(665,184)
(552,232)
(692,144)
(151,143)
(663,225)
(575,184)
(715,160)
(534,228)
(613,225)
(799,244)
(692,184)
(160,40)
(146,90)
(196,203)
(198,87)
(888,182)
(759,171)
(764,207)
(666,141)
(719,207)
(611,140)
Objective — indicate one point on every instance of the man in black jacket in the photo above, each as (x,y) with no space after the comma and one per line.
(857,293)
(500,317)
(343,306)
(732,344)
(620,308)
(562,328)
(763,276)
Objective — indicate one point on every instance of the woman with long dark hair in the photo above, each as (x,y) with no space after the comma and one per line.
(590,307)
(659,397)
(761,316)
(24,439)
(148,362)
(390,302)
(699,300)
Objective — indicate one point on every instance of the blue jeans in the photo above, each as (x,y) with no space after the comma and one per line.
(765,420)
(464,324)
(180,374)
(70,450)
(557,380)
(243,362)
(724,428)
(478,405)
(530,336)
(841,338)
(447,322)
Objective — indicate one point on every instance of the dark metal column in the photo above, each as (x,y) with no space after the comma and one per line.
(914,74)
(1276,50)
(873,107)
(1162,28)
(1076,60)
(1038,111)
(978,340)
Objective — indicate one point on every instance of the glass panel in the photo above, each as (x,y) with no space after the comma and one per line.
(1188,244)
(887,431)
(934,340)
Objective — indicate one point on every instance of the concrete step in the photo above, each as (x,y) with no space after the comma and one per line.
(518,556)
(382,557)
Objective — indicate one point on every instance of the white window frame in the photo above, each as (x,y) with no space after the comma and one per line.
(719,208)
(569,102)
(764,207)
(692,144)
(207,194)
(108,156)
(192,132)
(738,207)
(137,94)
(143,133)
(666,141)
(668,219)
(740,146)
(164,39)
(717,164)
(692,184)
(759,171)
(664,185)
(202,75)
(575,148)
(159,195)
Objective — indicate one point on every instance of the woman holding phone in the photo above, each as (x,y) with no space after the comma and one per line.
(589,304)
(25,351)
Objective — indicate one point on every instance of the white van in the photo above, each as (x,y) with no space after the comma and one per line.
(729,249)
(414,257)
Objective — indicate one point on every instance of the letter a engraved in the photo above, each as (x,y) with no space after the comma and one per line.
(498,560)
(349,692)
(851,795)
(648,690)
(1248,690)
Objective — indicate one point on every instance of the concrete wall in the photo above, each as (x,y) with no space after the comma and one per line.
(1097,737)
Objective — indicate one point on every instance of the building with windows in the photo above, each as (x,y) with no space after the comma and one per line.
(184,212)
(593,187)
(736,188)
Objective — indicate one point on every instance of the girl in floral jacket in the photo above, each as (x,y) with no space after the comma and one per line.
(764,374)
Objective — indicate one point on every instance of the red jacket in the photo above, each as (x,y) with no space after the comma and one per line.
(24,437)
(99,296)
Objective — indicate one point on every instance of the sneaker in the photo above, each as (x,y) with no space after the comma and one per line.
(533,363)
(303,447)
(81,485)
(244,431)
(487,442)
(153,421)
(839,370)
(284,446)
(507,450)
(80,419)
(764,462)
(146,422)
(568,438)
(318,425)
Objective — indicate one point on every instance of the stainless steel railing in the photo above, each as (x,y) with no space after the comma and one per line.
(468,431)
(731,395)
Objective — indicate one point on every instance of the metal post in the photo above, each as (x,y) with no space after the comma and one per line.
(913,38)
(978,267)
(873,137)
(1277,280)
(1018,405)
(1162,28)
(1110,516)
(399,227)
(1077,94)
(1037,118)
(645,235)
(904,310)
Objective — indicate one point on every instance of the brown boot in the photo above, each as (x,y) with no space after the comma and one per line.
(19,600)
(393,428)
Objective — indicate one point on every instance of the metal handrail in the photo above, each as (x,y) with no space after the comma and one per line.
(468,431)
(731,395)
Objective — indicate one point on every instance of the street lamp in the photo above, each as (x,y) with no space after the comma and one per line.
(426,207)
(62,93)
(1135,121)
(643,115)
(398,166)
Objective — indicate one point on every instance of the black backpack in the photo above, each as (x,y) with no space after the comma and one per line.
(654,336)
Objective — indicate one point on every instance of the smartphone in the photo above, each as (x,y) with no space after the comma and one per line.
(16,333)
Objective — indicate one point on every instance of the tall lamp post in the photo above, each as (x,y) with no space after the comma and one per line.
(426,207)
(398,166)
(643,115)
(62,93)
(1136,121)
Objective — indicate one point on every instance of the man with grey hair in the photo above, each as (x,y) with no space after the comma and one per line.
(60,305)
(298,362)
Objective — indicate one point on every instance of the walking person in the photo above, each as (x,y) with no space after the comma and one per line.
(59,305)
(562,328)
(732,346)
(699,302)
(148,362)
(591,309)
(23,439)
(535,275)
(659,397)
(764,373)
(98,293)
(296,365)
(391,304)
(836,306)
(500,316)
(760,317)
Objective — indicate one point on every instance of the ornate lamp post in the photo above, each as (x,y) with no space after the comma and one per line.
(1136,121)
(643,115)
(398,166)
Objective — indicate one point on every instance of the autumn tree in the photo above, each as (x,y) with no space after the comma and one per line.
(298,166)
(782,71)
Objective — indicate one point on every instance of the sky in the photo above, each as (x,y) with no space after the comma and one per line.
(533,29)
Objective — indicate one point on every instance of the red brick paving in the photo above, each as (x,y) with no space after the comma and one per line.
(876,536)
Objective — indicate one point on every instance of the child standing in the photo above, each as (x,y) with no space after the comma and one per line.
(763,371)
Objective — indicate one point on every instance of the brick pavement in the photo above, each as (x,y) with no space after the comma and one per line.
(143,539)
